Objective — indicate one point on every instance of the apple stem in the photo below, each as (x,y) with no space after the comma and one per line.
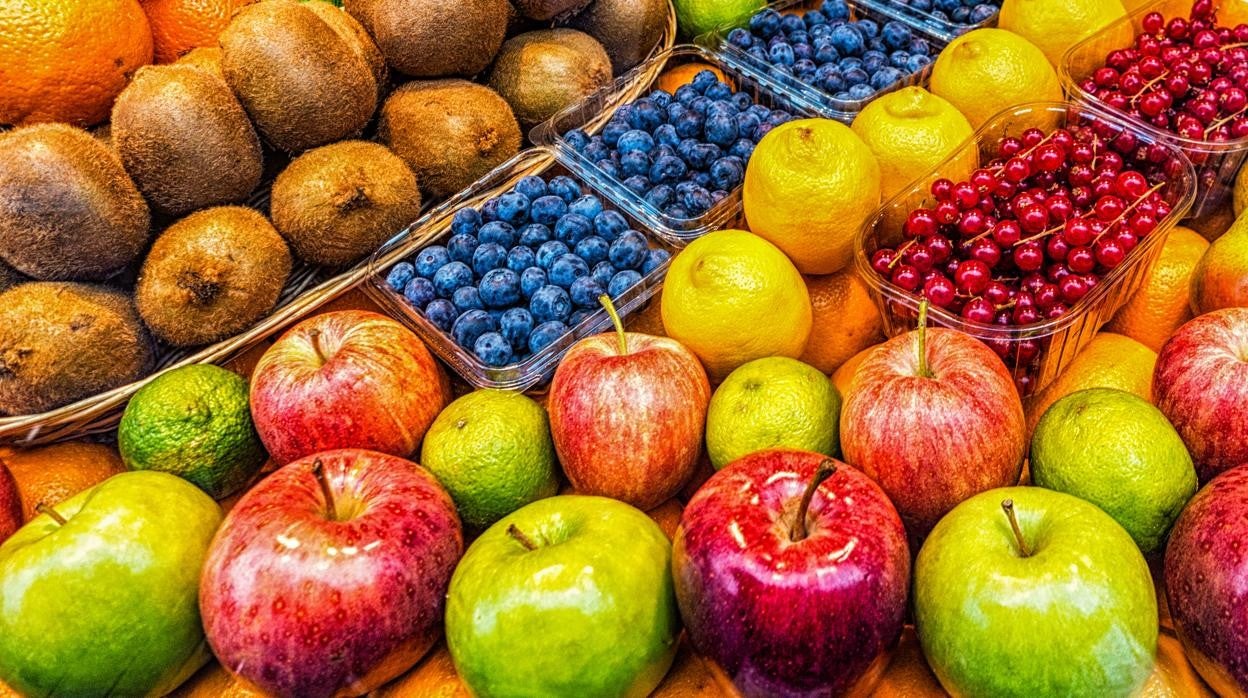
(825,470)
(605,300)
(515,532)
(315,336)
(318,471)
(1008,506)
(52,513)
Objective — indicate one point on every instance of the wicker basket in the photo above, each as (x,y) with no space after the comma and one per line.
(307,289)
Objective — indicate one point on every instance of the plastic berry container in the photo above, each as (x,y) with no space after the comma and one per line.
(809,95)
(1037,352)
(1216,164)
(592,113)
(944,28)
(435,228)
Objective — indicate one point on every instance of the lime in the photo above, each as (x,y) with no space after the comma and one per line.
(193,422)
(776,402)
(1117,451)
(697,17)
(492,451)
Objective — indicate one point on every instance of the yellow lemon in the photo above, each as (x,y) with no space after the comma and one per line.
(809,186)
(733,297)
(1056,25)
(988,70)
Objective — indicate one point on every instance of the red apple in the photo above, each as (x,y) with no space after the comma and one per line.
(1201,385)
(10,504)
(627,412)
(934,417)
(329,577)
(347,379)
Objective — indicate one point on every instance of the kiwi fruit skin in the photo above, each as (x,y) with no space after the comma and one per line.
(628,29)
(541,72)
(212,275)
(544,10)
(301,83)
(357,38)
(337,203)
(61,342)
(434,38)
(451,132)
(204,57)
(9,277)
(185,139)
(68,210)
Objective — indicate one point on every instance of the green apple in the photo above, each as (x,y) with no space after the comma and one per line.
(568,596)
(1023,591)
(99,596)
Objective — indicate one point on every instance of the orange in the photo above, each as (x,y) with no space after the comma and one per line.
(844,375)
(684,74)
(52,474)
(181,25)
(667,516)
(213,681)
(908,675)
(689,677)
(433,677)
(67,60)
(1108,361)
(1161,305)
(1173,676)
(845,320)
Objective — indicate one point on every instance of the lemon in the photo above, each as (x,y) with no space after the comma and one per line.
(1117,451)
(733,297)
(988,70)
(775,402)
(1056,25)
(911,131)
(809,186)
(697,17)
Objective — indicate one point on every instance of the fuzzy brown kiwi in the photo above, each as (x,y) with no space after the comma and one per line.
(541,72)
(628,29)
(451,132)
(185,139)
(357,38)
(61,342)
(544,10)
(302,84)
(212,275)
(337,203)
(9,277)
(205,58)
(68,210)
(434,38)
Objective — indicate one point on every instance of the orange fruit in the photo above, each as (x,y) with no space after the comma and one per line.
(846,320)
(1108,361)
(689,677)
(433,677)
(181,25)
(1173,676)
(67,60)
(213,681)
(667,516)
(1161,305)
(52,474)
(684,74)
(844,375)
(908,675)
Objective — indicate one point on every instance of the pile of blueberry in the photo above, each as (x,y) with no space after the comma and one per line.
(516,274)
(848,59)
(684,152)
(956,11)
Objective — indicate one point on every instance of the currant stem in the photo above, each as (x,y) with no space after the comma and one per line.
(825,470)
(318,471)
(51,513)
(520,537)
(924,371)
(1008,506)
(605,300)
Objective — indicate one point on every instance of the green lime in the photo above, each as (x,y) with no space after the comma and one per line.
(697,17)
(1117,451)
(491,449)
(193,422)
(775,402)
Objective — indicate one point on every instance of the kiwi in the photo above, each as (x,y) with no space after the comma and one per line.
(61,342)
(541,72)
(434,38)
(68,210)
(185,139)
(9,277)
(212,275)
(628,29)
(302,84)
(352,32)
(548,9)
(205,58)
(339,202)
(451,132)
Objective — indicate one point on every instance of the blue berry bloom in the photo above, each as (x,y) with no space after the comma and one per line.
(461,246)
(546,334)
(548,209)
(399,275)
(572,228)
(628,251)
(602,273)
(623,281)
(585,291)
(489,255)
(535,234)
(451,277)
(566,269)
(654,259)
(516,325)
(535,187)
(549,252)
(431,259)
(550,303)
(563,187)
(467,298)
(520,257)
(441,313)
(513,207)
(500,288)
(609,224)
(493,349)
(588,206)
(419,291)
(497,232)
(531,280)
(466,221)
(471,325)
(592,249)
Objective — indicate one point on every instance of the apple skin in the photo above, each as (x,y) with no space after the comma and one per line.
(1206,579)
(1201,385)
(11,516)
(106,604)
(346,379)
(299,604)
(589,612)
(1076,618)
(629,426)
(816,617)
(931,442)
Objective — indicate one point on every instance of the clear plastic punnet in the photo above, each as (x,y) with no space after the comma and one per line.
(944,28)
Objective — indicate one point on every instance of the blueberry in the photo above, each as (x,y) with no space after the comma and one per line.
(849,63)
(689,125)
(660,195)
(742,101)
(615,128)
(602,273)
(804,68)
(792,23)
(847,40)
(645,115)
(460,247)
(566,269)
(703,81)
(856,76)
(579,316)
(419,291)
(585,291)
(535,187)
(451,277)
(781,71)
(814,18)
(860,92)
(798,39)
(628,251)
(513,208)
(899,59)
(757,52)
(826,54)
(921,5)
(961,15)
(727,173)
(740,38)
(660,98)
(500,288)
(718,195)
(489,210)
(781,54)
(765,23)
(676,211)
(634,163)
(497,232)
(778,117)
(431,259)
(697,155)
(982,13)
(666,135)
(441,313)
(674,111)
(667,170)
(873,61)
(896,35)
(665,151)
(592,249)
(868,27)
(575,138)
(597,151)
(548,209)
(572,228)
(830,81)
(920,46)
(835,10)
(654,258)
(621,282)
(885,78)
(467,298)
(698,201)
(638,184)
(685,94)
(609,224)
(719,92)
(549,252)
(516,325)
(471,325)
(465,221)
(609,168)
(489,255)
(493,349)
(546,334)
(520,257)
(743,149)
(746,122)
(535,234)
(588,206)
(721,129)
(550,303)
(532,279)
(635,140)
(399,275)
(565,188)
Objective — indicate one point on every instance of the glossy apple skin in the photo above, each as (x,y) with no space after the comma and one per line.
(1201,385)
(1206,574)
(373,385)
(1076,618)
(932,442)
(817,617)
(301,605)
(11,517)
(629,427)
